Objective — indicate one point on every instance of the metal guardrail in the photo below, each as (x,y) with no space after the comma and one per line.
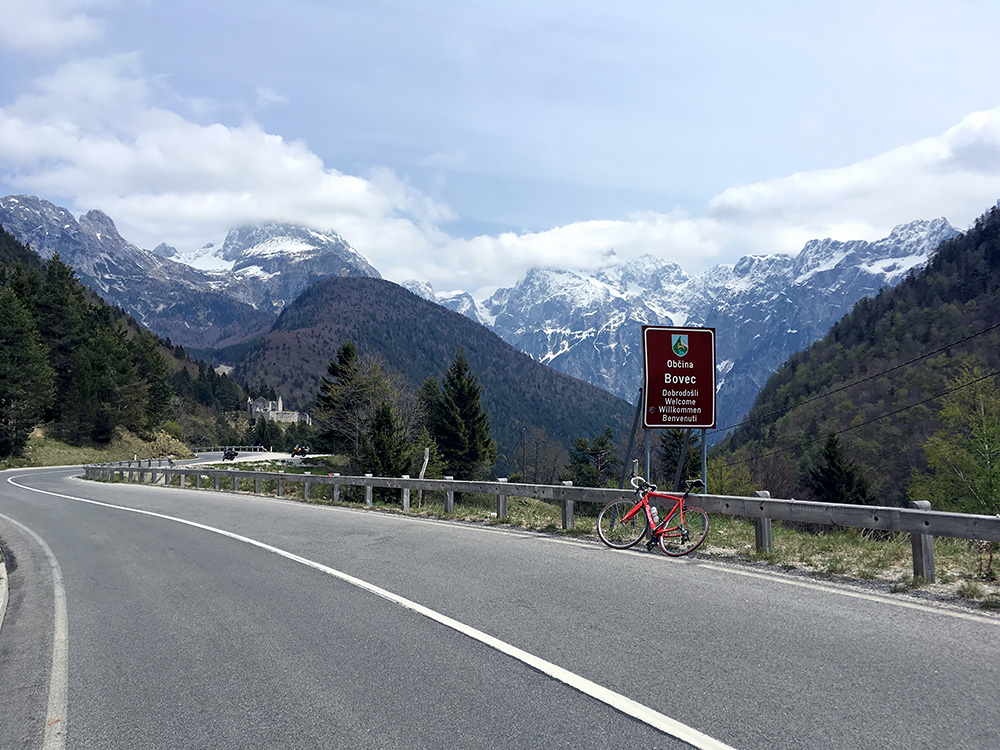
(921,523)
(240,448)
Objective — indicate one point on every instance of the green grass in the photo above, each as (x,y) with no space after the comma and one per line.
(843,553)
(46,451)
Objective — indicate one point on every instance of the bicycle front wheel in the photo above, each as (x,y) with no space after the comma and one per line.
(680,538)
(617,533)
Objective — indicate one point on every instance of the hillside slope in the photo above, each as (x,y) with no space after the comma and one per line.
(876,377)
(420,339)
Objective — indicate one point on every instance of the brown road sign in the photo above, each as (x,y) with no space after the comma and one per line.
(678,366)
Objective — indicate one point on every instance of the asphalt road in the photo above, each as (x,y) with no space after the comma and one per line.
(212,620)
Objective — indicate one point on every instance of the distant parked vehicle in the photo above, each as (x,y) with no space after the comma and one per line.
(229,454)
(300,450)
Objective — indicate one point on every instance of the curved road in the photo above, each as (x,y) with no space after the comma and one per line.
(212,620)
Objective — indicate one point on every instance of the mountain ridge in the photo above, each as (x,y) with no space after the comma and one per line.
(419,339)
(763,307)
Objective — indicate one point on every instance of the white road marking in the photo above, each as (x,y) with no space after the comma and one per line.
(615,700)
(842,591)
(57,710)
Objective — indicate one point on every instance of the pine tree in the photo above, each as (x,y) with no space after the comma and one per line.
(457,421)
(26,379)
(347,401)
(152,368)
(671,445)
(62,314)
(384,451)
(594,463)
(837,479)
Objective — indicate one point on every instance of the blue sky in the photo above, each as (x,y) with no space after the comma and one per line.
(465,142)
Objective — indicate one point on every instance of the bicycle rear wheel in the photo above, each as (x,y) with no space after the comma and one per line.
(617,533)
(681,538)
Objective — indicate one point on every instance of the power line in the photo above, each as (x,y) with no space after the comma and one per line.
(858,382)
(868,422)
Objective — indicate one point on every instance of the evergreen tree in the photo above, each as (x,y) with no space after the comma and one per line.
(267,433)
(595,463)
(669,452)
(26,379)
(457,421)
(152,368)
(62,314)
(384,451)
(837,479)
(347,401)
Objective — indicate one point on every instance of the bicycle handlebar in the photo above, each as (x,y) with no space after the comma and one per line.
(641,485)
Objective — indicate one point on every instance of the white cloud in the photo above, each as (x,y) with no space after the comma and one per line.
(955,175)
(45,27)
(266,97)
(90,131)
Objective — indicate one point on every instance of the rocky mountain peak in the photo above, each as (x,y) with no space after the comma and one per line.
(763,307)
(100,225)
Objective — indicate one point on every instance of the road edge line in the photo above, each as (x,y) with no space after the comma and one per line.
(614,700)
(4,591)
(57,709)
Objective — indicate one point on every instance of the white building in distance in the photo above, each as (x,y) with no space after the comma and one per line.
(261,408)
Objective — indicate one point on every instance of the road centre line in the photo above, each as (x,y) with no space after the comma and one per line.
(610,698)
(57,710)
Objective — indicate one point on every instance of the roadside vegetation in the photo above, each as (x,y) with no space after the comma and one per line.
(42,450)
(883,561)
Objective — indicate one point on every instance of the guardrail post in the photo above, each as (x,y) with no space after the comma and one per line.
(406,496)
(501,500)
(923,547)
(567,509)
(449,498)
(256,484)
(281,484)
(763,540)
(368,494)
(305,487)
(336,490)
(216,480)
(197,481)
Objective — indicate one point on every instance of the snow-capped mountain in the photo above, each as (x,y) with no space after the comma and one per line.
(269,265)
(763,308)
(205,298)
(171,299)
(460,302)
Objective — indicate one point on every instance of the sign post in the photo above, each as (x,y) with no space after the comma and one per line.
(678,376)
(678,367)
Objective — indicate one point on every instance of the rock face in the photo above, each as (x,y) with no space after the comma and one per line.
(272,264)
(208,298)
(763,308)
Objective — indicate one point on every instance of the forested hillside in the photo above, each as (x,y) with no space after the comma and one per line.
(907,384)
(419,339)
(85,370)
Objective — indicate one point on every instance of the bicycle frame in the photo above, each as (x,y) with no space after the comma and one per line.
(661,528)
(681,530)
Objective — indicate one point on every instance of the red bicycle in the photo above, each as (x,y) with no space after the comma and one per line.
(622,523)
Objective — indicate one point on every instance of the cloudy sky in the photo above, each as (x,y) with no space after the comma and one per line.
(465,142)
